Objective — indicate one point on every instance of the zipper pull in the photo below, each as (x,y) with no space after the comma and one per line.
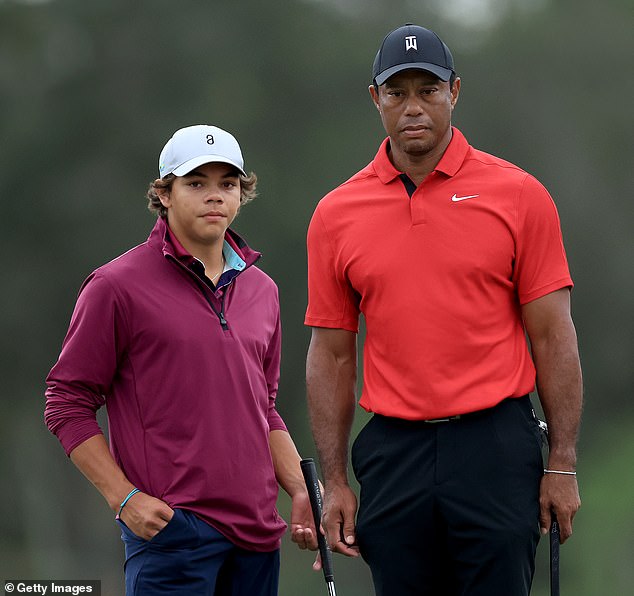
(221,314)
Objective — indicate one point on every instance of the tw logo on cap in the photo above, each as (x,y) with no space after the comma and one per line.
(410,43)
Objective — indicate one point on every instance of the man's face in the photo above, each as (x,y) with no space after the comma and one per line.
(202,204)
(415,108)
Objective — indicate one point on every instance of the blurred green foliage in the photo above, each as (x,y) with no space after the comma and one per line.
(90,91)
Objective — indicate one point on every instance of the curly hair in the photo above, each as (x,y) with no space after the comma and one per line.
(247,192)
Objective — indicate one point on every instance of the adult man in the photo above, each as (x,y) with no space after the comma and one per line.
(180,337)
(451,255)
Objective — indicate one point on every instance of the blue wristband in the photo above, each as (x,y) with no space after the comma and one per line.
(133,492)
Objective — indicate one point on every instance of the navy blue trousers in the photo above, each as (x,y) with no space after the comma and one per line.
(190,558)
(451,508)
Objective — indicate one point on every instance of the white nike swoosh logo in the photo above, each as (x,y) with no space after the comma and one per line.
(456,198)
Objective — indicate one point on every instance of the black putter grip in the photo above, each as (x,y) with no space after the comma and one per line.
(314,493)
(554,557)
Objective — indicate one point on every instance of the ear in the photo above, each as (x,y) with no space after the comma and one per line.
(455,92)
(163,194)
(375,96)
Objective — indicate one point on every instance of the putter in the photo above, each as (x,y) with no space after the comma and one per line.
(314,493)
(554,557)
(554,529)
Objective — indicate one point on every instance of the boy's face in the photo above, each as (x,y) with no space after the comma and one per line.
(202,204)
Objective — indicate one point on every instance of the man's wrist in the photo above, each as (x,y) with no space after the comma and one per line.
(338,481)
(562,459)
(295,487)
(117,495)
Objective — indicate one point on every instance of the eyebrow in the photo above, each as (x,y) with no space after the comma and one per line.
(431,80)
(233,173)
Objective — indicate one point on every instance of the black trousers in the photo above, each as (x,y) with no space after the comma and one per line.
(451,508)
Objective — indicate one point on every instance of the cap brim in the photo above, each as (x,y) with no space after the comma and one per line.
(442,73)
(192,164)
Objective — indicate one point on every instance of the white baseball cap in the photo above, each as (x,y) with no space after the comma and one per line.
(194,146)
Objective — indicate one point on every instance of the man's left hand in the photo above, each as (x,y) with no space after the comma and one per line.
(559,494)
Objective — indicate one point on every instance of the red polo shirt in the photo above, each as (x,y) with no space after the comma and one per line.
(439,277)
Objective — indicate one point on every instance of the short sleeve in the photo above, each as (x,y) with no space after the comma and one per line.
(541,266)
(332,302)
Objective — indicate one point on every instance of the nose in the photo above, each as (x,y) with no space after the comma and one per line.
(413,105)
(214,196)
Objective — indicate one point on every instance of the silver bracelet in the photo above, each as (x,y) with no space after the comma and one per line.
(559,472)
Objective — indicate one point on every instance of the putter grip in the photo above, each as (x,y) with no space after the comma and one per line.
(314,493)
(554,557)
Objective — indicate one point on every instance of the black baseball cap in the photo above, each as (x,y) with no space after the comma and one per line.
(411,46)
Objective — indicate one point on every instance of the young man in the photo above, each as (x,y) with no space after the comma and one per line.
(451,255)
(180,338)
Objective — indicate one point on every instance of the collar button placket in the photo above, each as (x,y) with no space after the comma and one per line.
(417,207)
